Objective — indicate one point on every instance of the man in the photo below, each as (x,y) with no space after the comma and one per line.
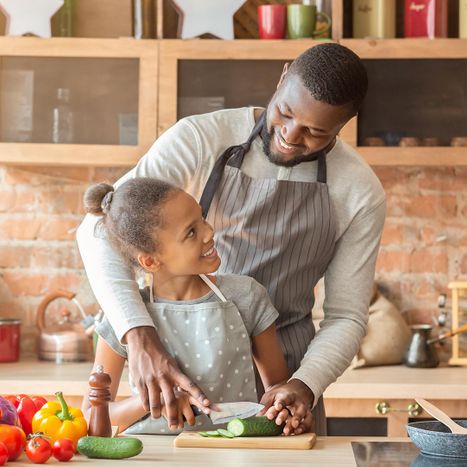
(290,202)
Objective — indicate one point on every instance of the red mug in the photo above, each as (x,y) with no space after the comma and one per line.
(272,21)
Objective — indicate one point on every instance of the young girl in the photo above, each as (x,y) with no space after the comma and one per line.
(215,327)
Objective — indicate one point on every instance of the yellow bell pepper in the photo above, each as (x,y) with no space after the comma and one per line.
(57,420)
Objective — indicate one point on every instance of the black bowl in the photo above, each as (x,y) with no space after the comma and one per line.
(435,439)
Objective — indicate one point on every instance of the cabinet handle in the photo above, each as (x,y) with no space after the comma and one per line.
(413,409)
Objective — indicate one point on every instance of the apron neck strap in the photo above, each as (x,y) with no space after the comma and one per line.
(322,172)
(237,159)
(236,153)
(213,287)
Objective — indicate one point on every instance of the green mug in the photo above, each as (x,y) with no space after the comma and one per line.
(301,21)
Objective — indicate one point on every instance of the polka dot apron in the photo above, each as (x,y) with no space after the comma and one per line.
(211,345)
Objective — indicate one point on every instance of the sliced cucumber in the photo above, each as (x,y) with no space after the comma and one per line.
(225,433)
(210,434)
(254,426)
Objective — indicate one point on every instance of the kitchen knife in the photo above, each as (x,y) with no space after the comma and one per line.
(224,412)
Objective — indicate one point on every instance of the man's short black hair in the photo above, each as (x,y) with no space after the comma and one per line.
(333,74)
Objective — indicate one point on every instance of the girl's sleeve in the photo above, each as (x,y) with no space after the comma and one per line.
(106,332)
(254,304)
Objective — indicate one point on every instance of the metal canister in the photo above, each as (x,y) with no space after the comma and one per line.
(9,339)
(463,19)
(374,18)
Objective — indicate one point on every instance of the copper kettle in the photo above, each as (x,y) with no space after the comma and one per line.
(65,341)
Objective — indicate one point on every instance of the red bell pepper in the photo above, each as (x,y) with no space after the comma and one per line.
(26,406)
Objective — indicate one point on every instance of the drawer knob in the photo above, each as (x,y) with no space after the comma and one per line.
(413,409)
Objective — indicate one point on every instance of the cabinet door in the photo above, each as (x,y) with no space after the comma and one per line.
(77,101)
(414,112)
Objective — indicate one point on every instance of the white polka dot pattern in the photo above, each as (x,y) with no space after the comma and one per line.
(212,347)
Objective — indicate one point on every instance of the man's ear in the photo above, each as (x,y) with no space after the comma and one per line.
(284,72)
(149,263)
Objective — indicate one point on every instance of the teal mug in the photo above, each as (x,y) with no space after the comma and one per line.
(301,21)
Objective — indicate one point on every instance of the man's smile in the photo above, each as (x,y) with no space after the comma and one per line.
(285,148)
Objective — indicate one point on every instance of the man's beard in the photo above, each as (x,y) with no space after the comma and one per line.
(277,159)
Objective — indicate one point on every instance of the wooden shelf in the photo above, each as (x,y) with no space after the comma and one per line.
(407,48)
(418,156)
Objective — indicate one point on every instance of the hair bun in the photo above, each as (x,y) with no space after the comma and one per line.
(97,198)
(106,200)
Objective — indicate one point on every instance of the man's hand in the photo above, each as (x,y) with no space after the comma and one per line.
(154,372)
(290,403)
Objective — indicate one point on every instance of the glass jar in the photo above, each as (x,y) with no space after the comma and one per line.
(65,19)
(62,118)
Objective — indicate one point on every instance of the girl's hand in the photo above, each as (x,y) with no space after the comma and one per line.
(290,403)
(184,410)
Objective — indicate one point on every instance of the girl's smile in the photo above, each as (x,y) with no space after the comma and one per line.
(210,254)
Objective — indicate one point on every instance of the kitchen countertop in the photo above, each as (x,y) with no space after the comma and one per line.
(400,382)
(159,450)
(384,382)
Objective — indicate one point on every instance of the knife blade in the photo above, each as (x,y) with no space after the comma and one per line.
(224,412)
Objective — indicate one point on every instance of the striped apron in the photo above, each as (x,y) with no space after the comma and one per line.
(280,232)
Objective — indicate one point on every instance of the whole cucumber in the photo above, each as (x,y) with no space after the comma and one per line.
(109,448)
(254,426)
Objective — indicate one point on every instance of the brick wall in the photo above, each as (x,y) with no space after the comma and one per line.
(40,209)
(424,244)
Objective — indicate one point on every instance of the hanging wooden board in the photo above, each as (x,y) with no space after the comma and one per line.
(191,439)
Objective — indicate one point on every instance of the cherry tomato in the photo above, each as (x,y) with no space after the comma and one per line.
(63,449)
(14,439)
(38,449)
(3,453)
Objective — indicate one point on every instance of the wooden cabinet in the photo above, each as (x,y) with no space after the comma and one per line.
(405,100)
(127,92)
(112,100)
(388,394)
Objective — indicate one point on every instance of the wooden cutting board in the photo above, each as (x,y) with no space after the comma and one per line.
(191,439)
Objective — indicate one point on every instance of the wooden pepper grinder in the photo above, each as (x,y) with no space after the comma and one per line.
(99,397)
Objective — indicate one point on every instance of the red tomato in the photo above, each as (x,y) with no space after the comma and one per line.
(63,449)
(14,439)
(38,449)
(3,453)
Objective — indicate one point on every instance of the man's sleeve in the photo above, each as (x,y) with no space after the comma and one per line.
(174,157)
(348,285)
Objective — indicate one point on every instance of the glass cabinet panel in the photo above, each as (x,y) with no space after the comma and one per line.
(417,102)
(69,100)
(208,85)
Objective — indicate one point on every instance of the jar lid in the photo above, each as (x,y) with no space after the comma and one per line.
(7,321)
